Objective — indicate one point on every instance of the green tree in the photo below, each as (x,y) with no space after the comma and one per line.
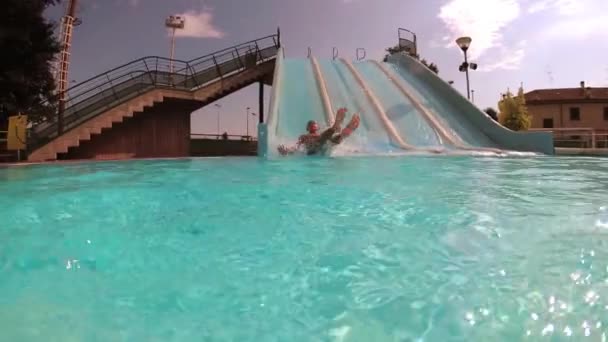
(492,113)
(400,49)
(28,48)
(433,67)
(513,111)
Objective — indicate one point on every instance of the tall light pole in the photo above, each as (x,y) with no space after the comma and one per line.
(174,22)
(248,122)
(252,114)
(464,43)
(218,106)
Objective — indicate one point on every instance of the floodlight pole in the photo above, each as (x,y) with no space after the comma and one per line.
(464,43)
(466,62)
(174,22)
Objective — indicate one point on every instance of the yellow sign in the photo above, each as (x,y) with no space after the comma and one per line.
(16,138)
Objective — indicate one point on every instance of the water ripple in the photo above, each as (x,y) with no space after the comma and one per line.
(379,249)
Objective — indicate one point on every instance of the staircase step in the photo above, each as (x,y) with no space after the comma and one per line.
(41,157)
(104,122)
(62,149)
(73,140)
(93,122)
(58,147)
(85,134)
(117,118)
(96,125)
(94,130)
(139,107)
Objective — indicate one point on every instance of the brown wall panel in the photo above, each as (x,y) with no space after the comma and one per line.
(160,131)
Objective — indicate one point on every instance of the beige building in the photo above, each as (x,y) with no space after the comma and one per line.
(582,107)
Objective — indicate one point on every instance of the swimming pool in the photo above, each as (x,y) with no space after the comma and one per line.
(343,249)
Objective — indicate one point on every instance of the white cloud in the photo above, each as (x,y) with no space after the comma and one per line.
(199,25)
(564,7)
(579,19)
(578,28)
(510,59)
(484,21)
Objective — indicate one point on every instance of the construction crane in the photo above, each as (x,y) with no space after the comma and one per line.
(68,22)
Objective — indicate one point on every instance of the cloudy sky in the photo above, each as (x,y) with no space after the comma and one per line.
(542,43)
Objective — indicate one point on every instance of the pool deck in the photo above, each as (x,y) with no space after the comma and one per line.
(80,161)
(559,151)
(591,152)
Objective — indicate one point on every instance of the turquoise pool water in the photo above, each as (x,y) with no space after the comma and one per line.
(344,249)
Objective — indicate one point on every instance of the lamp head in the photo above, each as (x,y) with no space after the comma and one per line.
(175,22)
(464,43)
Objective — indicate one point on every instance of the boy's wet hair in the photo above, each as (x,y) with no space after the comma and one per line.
(310,123)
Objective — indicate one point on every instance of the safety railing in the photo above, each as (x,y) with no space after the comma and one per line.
(223,136)
(360,54)
(584,137)
(408,40)
(104,91)
(5,154)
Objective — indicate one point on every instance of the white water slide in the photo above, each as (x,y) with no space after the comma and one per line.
(404,108)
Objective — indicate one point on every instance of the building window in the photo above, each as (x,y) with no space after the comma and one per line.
(605,113)
(575,114)
(547,123)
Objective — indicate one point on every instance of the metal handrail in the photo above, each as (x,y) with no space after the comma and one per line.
(220,136)
(413,41)
(577,134)
(90,97)
(359,57)
(174,60)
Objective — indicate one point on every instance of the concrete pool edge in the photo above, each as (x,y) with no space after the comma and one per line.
(589,152)
(560,152)
(82,161)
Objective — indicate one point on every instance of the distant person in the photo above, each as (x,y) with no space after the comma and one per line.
(316,143)
(225,136)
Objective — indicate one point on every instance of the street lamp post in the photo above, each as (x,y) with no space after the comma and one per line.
(174,22)
(218,106)
(252,114)
(248,122)
(464,43)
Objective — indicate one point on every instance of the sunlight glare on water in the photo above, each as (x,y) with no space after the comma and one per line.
(320,249)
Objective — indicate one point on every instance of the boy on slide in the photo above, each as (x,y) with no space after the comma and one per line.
(315,142)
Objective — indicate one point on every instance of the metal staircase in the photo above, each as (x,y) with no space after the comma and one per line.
(120,93)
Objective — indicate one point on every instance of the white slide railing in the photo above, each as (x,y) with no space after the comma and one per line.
(460,108)
(430,117)
(322,87)
(273,110)
(268,130)
(388,126)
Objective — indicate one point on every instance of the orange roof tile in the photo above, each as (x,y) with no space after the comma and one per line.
(567,95)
